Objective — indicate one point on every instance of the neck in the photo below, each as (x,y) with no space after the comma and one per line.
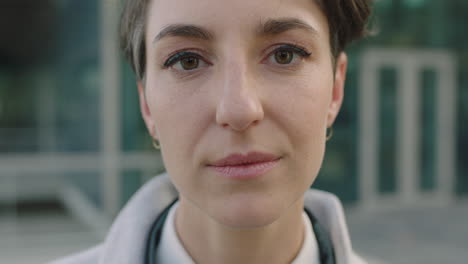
(208,241)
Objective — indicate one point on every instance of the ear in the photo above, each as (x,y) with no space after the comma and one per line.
(145,110)
(338,88)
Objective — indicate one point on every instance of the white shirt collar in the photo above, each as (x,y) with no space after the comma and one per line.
(171,250)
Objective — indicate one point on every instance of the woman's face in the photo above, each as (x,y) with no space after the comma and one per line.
(238,77)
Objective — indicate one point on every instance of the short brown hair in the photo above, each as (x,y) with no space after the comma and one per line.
(347,20)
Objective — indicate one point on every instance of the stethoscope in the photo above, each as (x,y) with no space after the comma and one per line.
(326,251)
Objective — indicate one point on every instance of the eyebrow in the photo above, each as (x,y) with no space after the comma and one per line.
(270,27)
(184,30)
(278,26)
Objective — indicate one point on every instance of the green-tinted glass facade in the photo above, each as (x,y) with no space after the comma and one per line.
(413,24)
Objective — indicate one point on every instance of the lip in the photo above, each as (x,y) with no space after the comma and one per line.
(251,165)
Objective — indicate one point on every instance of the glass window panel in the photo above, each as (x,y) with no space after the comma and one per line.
(428,129)
(131,182)
(388,130)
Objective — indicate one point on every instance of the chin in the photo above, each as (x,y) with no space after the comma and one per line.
(243,211)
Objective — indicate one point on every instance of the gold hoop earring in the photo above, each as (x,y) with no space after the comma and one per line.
(329,133)
(156,144)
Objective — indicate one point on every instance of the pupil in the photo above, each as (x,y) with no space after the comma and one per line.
(283,57)
(190,63)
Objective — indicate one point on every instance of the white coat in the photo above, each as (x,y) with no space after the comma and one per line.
(126,240)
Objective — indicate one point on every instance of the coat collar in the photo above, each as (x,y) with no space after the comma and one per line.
(127,237)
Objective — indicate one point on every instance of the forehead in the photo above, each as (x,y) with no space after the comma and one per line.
(241,16)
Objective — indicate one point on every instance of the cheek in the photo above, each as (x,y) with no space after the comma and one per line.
(302,108)
(302,102)
(173,106)
(181,117)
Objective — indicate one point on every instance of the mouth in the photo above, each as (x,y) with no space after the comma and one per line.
(249,166)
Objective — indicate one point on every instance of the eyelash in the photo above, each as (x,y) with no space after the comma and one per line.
(294,48)
(177,57)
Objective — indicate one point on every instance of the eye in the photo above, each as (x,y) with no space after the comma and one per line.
(189,63)
(286,54)
(185,61)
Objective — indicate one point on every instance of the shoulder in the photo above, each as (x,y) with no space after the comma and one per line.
(322,200)
(89,256)
(126,239)
(328,209)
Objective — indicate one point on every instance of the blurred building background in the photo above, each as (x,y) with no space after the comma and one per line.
(73,147)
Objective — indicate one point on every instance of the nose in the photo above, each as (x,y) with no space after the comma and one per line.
(239,106)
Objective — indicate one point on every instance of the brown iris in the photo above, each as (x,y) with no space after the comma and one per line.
(284,56)
(189,63)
